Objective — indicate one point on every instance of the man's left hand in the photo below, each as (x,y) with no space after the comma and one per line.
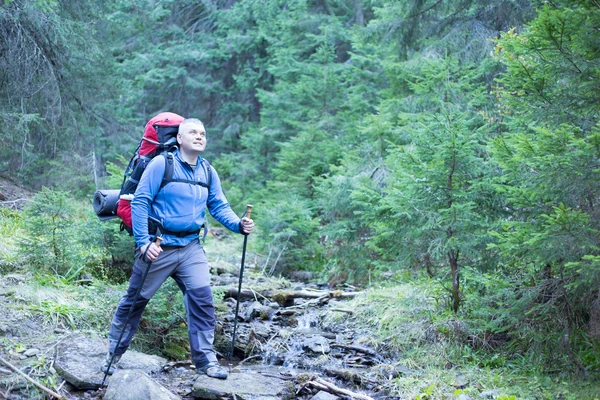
(247,226)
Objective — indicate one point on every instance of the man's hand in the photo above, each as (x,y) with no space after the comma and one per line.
(247,226)
(153,251)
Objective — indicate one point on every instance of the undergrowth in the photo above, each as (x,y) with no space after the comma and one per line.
(442,355)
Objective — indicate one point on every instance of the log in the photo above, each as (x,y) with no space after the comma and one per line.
(359,349)
(322,384)
(349,376)
(286,297)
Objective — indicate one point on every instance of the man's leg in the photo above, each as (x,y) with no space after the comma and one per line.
(194,274)
(159,271)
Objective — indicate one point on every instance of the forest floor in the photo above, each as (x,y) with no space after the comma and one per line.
(389,341)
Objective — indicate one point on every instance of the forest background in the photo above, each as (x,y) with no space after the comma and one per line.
(456,142)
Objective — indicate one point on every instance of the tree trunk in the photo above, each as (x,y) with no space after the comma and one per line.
(453,258)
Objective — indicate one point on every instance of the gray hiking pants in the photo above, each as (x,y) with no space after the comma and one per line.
(189,268)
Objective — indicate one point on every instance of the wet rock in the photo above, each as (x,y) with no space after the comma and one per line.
(316,344)
(136,385)
(31,352)
(78,360)
(257,310)
(321,395)
(247,385)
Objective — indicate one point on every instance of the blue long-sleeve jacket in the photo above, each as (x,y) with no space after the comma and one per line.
(180,206)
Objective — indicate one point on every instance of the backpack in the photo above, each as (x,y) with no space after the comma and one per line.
(160,135)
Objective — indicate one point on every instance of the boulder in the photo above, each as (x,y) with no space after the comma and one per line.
(136,385)
(78,360)
(248,385)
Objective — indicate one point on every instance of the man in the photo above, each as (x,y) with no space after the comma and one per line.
(179,208)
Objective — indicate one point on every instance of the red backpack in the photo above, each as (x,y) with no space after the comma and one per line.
(160,135)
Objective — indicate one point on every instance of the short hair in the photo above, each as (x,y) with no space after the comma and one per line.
(189,121)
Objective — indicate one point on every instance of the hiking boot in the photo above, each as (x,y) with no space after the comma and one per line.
(113,366)
(214,370)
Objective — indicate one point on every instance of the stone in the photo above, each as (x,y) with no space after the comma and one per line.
(489,394)
(316,344)
(321,395)
(31,352)
(248,385)
(136,385)
(78,359)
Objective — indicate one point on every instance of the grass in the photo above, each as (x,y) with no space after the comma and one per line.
(406,322)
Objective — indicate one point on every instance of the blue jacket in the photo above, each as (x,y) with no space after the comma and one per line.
(180,206)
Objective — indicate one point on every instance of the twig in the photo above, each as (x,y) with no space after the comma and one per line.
(249,358)
(342,310)
(42,387)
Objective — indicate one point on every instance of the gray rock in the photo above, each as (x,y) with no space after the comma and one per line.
(78,359)
(489,394)
(31,352)
(316,344)
(246,385)
(257,310)
(136,385)
(324,396)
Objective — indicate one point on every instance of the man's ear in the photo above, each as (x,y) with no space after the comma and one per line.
(179,138)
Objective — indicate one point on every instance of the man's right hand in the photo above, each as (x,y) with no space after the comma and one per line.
(153,251)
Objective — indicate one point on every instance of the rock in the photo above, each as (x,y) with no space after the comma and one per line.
(257,310)
(247,385)
(136,385)
(460,382)
(489,394)
(321,395)
(78,360)
(31,352)
(316,344)
(4,329)
(302,276)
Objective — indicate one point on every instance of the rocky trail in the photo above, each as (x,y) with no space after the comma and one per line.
(292,341)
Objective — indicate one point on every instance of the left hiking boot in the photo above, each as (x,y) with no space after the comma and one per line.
(214,370)
(113,365)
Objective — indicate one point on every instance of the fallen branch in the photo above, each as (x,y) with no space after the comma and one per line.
(359,349)
(41,387)
(286,297)
(349,376)
(329,387)
(342,310)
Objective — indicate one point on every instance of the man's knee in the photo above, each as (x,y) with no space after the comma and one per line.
(201,310)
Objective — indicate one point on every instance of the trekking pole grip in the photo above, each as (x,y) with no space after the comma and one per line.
(248,210)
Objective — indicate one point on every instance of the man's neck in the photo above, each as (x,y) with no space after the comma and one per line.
(190,158)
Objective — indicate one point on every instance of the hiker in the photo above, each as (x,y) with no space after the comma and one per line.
(179,209)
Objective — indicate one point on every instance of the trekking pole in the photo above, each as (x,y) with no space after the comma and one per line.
(137,294)
(237,304)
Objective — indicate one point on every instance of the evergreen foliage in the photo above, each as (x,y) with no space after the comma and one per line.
(448,141)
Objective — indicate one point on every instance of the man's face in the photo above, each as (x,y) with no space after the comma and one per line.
(193,138)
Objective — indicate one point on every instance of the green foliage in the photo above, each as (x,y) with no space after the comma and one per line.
(61,239)
(288,233)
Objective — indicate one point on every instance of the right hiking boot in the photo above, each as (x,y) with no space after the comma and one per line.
(214,370)
(113,365)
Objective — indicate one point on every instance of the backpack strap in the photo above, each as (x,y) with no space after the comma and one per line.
(168,176)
